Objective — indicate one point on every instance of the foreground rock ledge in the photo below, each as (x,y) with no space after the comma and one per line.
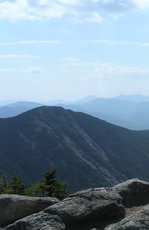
(96,209)
(38,221)
(137,220)
(134,192)
(89,205)
(14,207)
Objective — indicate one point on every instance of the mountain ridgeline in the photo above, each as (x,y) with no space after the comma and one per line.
(87,152)
(131,112)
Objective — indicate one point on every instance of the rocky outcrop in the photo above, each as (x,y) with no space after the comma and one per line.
(38,221)
(14,207)
(88,206)
(134,192)
(118,208)
(137,220)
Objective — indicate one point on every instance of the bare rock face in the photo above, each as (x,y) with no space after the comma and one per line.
(134,192)
(113,208)
(14,207)
(38,221)
(88,205)
(136,221)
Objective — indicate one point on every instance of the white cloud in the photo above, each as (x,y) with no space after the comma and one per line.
(6,69)
(35,70)
(115,43)
(141,4)
(42,42)
(85,10)
(104,69)
(105,42)
(118,8)
(111,69)
(71,59)
(32,42)
(125,5)
(74,62)
(30,10)
(19,56)
(59,42)
(31,70)
(70,2)
(47,9)
(94,17)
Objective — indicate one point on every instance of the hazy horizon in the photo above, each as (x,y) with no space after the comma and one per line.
(60,49)
(138,97)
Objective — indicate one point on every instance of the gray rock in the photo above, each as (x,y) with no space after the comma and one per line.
(134,192)
(14,207)
(88,205)
(138,220)
(38,221)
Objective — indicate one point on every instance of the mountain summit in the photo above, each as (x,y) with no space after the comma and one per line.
(86,151)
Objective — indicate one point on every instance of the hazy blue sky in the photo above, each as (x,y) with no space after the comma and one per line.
(69,49)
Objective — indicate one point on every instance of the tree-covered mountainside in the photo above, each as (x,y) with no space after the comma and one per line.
(86,151)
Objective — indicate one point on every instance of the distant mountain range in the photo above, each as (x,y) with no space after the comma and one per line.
(127,111)
(86,151)
(16,108)
(134,98)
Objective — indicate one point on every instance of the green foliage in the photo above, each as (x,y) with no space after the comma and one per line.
(13,186)
(36,189)
(3,184)
(50,186)
(16,186)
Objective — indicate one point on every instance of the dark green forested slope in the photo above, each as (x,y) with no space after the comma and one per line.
(86,151)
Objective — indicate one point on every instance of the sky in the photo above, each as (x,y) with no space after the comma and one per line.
(69,49)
